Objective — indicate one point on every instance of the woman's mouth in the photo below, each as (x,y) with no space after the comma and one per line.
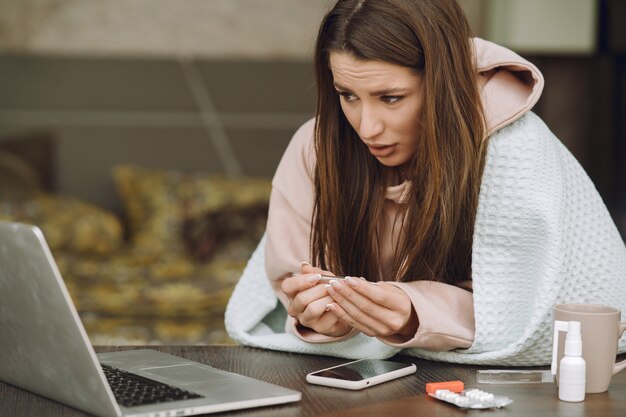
(381,151)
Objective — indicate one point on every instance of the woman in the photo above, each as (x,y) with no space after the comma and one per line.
(389,186)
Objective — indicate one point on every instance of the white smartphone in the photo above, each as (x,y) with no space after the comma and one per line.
(361,374)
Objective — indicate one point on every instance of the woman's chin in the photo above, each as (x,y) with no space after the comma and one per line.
(392,160)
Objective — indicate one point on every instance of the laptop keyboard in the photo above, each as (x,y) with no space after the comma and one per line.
(132,390)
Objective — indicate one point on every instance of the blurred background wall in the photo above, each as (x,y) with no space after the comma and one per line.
(220,85)
(215,85)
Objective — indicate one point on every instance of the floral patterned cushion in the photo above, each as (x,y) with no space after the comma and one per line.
(158,202)
(67,223)
(104,330)
(190,236)
(173,286)
(204,234)
(137,297)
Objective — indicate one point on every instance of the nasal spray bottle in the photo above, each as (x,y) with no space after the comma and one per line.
(572,367)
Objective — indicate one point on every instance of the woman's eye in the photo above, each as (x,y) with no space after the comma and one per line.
(390,99)
(349,97)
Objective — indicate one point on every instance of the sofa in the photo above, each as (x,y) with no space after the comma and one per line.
(162,271)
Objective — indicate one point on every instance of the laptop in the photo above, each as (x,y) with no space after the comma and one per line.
(45,349)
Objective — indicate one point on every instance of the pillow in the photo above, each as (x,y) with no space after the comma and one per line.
(27,159)
(158,202)
(204,233)
(18,180)
(67,223)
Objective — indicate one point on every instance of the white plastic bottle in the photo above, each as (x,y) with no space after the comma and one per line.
(572,367)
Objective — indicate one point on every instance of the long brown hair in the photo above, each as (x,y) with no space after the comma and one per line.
(437,219)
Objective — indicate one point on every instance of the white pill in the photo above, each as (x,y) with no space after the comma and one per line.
(440,392)
(472,394)
(462,401)
(451,395)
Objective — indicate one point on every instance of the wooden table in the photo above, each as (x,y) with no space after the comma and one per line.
(402,397)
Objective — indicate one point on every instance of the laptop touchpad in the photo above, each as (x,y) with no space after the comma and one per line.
(187,373)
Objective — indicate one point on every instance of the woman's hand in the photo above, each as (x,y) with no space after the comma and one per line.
(308,301)
(376,309)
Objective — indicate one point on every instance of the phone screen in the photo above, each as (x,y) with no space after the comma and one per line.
(360,370)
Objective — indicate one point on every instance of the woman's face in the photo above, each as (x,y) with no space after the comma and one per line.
(382,102)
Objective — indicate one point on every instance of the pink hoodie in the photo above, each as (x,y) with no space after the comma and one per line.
(509,87)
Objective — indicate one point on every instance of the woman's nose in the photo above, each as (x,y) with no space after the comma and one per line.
(371,125)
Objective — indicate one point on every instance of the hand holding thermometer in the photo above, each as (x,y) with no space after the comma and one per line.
(328,278)
(324,278)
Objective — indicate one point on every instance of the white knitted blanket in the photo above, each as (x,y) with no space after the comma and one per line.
(543,236)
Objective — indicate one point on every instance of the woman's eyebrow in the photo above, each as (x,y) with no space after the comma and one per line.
(389,91)
(340,87)
(383,92)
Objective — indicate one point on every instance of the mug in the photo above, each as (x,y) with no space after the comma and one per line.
(600,330)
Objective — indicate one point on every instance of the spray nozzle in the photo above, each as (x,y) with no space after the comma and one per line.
(573,328)
(573,342)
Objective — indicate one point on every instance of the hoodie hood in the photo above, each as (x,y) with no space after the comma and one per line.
(509,85)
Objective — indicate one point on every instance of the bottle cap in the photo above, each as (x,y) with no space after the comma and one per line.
(573,341)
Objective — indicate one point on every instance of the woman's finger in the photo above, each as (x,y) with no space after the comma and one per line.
(314,310)
(298,283)
(306,268)
(362,310)
(316,316)
(355,301)
(381,293)
(338,311)
(302,299)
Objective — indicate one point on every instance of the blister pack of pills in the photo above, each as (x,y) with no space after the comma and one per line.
(472,398)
